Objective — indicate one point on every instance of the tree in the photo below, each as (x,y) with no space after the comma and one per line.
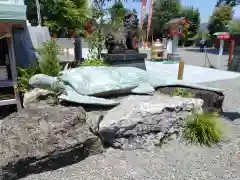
(62,16)
(163,11)
(117,13)
(232,3)
(193,16)
(99,23)
(220,19)
(234,25)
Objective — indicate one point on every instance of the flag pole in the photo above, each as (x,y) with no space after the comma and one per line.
(149,17)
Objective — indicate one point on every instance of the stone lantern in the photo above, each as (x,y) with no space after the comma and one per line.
(157,50)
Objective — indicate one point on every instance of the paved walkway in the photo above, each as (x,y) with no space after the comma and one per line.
(192,74)
(192,56)
(196,68)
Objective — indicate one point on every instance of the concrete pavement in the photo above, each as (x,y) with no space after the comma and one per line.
(193,56)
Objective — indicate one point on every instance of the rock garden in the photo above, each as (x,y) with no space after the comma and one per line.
(78,112)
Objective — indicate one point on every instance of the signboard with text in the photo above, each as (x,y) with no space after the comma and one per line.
(223,36)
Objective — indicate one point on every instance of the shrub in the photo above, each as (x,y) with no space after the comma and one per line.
(204,129)
(49,61)
(181,92)
(24,75)
(94,62)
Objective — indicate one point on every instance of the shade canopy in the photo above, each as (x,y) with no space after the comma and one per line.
(12,13)
(221,33)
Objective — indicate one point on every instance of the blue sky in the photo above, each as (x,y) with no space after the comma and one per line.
(205,7)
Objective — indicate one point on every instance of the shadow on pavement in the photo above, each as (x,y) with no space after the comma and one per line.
(231,116)
(209,50)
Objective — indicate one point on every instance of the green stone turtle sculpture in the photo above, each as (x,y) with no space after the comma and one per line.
(92,85)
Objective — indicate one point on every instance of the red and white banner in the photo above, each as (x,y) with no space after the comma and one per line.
(143,7)
(149,17)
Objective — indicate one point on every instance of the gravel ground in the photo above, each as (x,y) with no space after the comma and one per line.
(174,161)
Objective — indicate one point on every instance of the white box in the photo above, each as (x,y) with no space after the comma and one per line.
(3,73)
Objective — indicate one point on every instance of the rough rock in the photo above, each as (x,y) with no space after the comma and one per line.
(143,121)
(34,96)
(40,139)
(213,101)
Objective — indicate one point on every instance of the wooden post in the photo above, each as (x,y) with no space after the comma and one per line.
(180,70)
(231,51)
(13,68)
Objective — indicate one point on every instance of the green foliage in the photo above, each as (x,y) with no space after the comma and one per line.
(203,129)
(193,16)
(181,92)
(117,12)
(62,16)
(49,61)
(24,75)
(164,11)
(94,62)
(96,40)
(232,3)
(234,26)
(220,19)
(48,64)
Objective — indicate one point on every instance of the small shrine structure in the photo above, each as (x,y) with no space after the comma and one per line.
(174,29)
(12,15)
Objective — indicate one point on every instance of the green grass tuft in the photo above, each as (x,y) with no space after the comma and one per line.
(181,92)
(204,129)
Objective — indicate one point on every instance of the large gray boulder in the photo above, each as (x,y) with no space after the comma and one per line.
(32,97)
(144,121)
(39,139)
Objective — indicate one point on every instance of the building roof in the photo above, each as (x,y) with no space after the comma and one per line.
(13,13)
(178,20)
(221,33)
(181,20)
